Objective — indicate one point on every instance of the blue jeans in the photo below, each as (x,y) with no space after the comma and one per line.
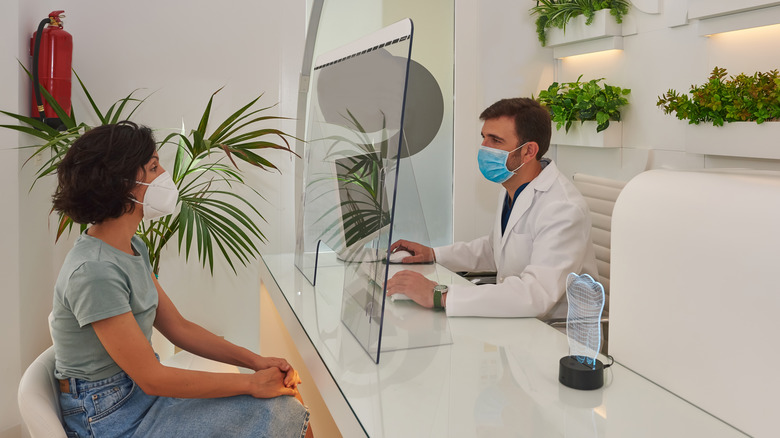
(117,407)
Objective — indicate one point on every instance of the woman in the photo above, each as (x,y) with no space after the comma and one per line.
(106,302)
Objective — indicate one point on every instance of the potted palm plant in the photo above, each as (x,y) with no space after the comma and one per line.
(212,216)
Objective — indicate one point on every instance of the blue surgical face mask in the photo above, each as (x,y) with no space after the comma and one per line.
(492,163)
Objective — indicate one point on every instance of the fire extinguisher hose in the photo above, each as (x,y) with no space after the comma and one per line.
(36,80)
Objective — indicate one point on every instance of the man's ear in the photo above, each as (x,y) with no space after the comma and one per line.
(532,149)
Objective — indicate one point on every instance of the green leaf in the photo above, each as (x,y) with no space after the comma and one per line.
(204,119)
(225,125)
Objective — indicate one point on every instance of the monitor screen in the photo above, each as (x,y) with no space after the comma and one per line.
(363,207)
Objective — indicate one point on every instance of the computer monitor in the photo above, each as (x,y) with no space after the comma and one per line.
(364,211)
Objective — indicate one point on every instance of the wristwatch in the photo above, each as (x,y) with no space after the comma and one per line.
(438,291)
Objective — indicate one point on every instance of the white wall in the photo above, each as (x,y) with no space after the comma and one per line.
(498,55)
(179,54)
(10,366)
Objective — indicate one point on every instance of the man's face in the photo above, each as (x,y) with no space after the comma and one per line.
(500,134)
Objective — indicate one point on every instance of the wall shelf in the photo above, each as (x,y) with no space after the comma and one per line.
(703,9)
(604,33)
(584,134)
(718,16)
(736,139)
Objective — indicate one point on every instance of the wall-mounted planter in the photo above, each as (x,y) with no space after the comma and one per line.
(584,134)
(603,25)
(718,16)
(604,33)
(736,139)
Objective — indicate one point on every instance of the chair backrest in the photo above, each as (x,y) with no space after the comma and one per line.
(601,195)
(38,398)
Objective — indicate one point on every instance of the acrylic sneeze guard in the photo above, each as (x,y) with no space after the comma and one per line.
(360,193)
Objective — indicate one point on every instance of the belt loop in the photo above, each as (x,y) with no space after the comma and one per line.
(74,387)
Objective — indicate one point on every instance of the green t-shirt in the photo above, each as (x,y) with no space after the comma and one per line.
(98,281)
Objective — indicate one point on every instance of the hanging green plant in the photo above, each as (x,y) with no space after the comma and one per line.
(720,100)
(212,216)
(584,101)
(557,13)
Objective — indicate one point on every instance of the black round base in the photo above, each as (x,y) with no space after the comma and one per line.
(579,376)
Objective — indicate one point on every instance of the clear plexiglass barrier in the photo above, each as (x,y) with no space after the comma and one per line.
(360,193)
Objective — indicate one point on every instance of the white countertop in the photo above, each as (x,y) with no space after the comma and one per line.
(498,377)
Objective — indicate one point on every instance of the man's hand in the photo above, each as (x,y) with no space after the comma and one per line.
(414,285)
(420,253)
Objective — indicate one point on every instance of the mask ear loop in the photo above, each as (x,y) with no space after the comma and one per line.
(132,197)
(521,164)
(143,184)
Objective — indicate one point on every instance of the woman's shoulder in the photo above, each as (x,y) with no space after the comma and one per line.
(82,270)
(138,243)
(85,249)
(90,254)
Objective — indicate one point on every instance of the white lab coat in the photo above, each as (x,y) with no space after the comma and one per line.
(546,238)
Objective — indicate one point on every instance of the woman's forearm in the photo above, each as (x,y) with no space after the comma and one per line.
(175,382)
(181,383)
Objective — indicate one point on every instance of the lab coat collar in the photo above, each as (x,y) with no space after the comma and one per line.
(541,183)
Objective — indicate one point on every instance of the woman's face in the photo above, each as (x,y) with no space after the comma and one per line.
(151,170)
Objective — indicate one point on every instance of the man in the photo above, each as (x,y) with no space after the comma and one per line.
(541,232)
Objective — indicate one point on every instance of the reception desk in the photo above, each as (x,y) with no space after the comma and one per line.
(497,377)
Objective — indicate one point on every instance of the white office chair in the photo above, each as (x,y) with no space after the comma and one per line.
(600,195)
(38,398)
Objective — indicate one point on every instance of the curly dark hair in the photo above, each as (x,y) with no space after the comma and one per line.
(99,170)
(532,120)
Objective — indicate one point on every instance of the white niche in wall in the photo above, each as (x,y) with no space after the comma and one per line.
(647,6)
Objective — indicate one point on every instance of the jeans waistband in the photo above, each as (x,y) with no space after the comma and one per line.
(76,386)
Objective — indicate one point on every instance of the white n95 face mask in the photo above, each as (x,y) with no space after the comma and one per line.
(160,198)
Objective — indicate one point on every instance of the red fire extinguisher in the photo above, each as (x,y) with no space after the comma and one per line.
(52,51)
